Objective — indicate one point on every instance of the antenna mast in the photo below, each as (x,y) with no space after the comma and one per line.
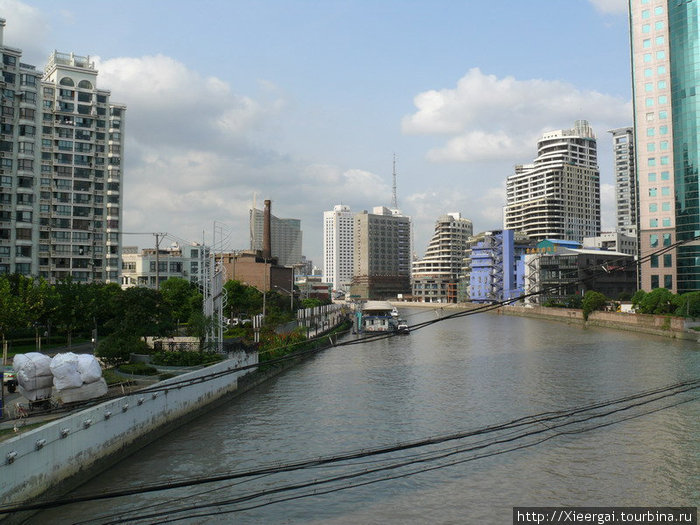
(394,200)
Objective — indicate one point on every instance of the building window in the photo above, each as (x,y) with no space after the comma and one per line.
(653,240)
(653,223)
(654,261)
(668,281)
(653,207)
(654,282)
(668,260)
(666,222)
(667,239)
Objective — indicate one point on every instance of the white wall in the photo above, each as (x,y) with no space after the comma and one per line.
(78,441)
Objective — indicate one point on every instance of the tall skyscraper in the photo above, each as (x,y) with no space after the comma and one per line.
(382,266)
(665,80)
(60,170)
(558,195)
(285,236)
(435,276)
(625,180)
(338,247)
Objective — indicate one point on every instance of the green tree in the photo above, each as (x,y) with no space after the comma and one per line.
(12,311)
(592,301)
(574,301)
(637,298)
(72,313)
(687,304)
(242,299)
(658,301)
(199,325)
(143,312)
(182,296)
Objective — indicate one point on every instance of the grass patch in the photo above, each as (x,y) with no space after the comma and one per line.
(139,369)
(6,433)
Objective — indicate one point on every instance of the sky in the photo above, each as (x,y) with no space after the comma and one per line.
(306,102)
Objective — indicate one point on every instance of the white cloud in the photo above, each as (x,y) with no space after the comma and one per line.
(489,118)
(610,6)
(27,28)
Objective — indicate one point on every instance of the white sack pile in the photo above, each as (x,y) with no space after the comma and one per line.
(34,376)
(77,377)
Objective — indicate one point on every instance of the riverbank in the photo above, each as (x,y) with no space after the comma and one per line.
(78,446)
(661,325)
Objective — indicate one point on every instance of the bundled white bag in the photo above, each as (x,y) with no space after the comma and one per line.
(89,368)
(33,364)
(65,371)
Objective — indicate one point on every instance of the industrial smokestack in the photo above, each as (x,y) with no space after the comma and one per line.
(267,237)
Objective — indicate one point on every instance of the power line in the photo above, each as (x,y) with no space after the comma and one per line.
(631,401)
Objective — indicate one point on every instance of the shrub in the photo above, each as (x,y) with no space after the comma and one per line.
(116,348)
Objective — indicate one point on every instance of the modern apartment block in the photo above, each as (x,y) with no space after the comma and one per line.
(625,180)
(435,276)
(558,195)
(61,152)
(612,241)
(382,265)
(338,247)
(665,40)
(146,268)
(285,235)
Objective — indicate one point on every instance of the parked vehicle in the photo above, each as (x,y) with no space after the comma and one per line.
(9,378)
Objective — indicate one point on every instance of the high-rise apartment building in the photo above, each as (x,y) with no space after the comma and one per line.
(285,237)
(625,180)
(665,74)
(61,151)
(338,247)
(435,276)
(558,195)
(382,265)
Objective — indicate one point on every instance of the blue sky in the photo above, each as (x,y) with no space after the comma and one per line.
(306,102)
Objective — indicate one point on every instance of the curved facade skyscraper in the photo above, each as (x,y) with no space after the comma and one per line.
(558,195)
(435,276)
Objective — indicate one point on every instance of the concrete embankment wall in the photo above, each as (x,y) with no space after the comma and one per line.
(675,327)
(63,453)
(662,325)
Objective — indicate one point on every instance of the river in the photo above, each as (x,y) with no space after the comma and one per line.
(455,376)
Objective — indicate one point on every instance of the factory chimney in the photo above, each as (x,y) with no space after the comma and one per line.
(267,238)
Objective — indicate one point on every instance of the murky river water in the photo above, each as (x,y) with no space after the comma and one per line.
(455,376)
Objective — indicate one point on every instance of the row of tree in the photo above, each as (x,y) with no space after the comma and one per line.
(29,305)
(659,301)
